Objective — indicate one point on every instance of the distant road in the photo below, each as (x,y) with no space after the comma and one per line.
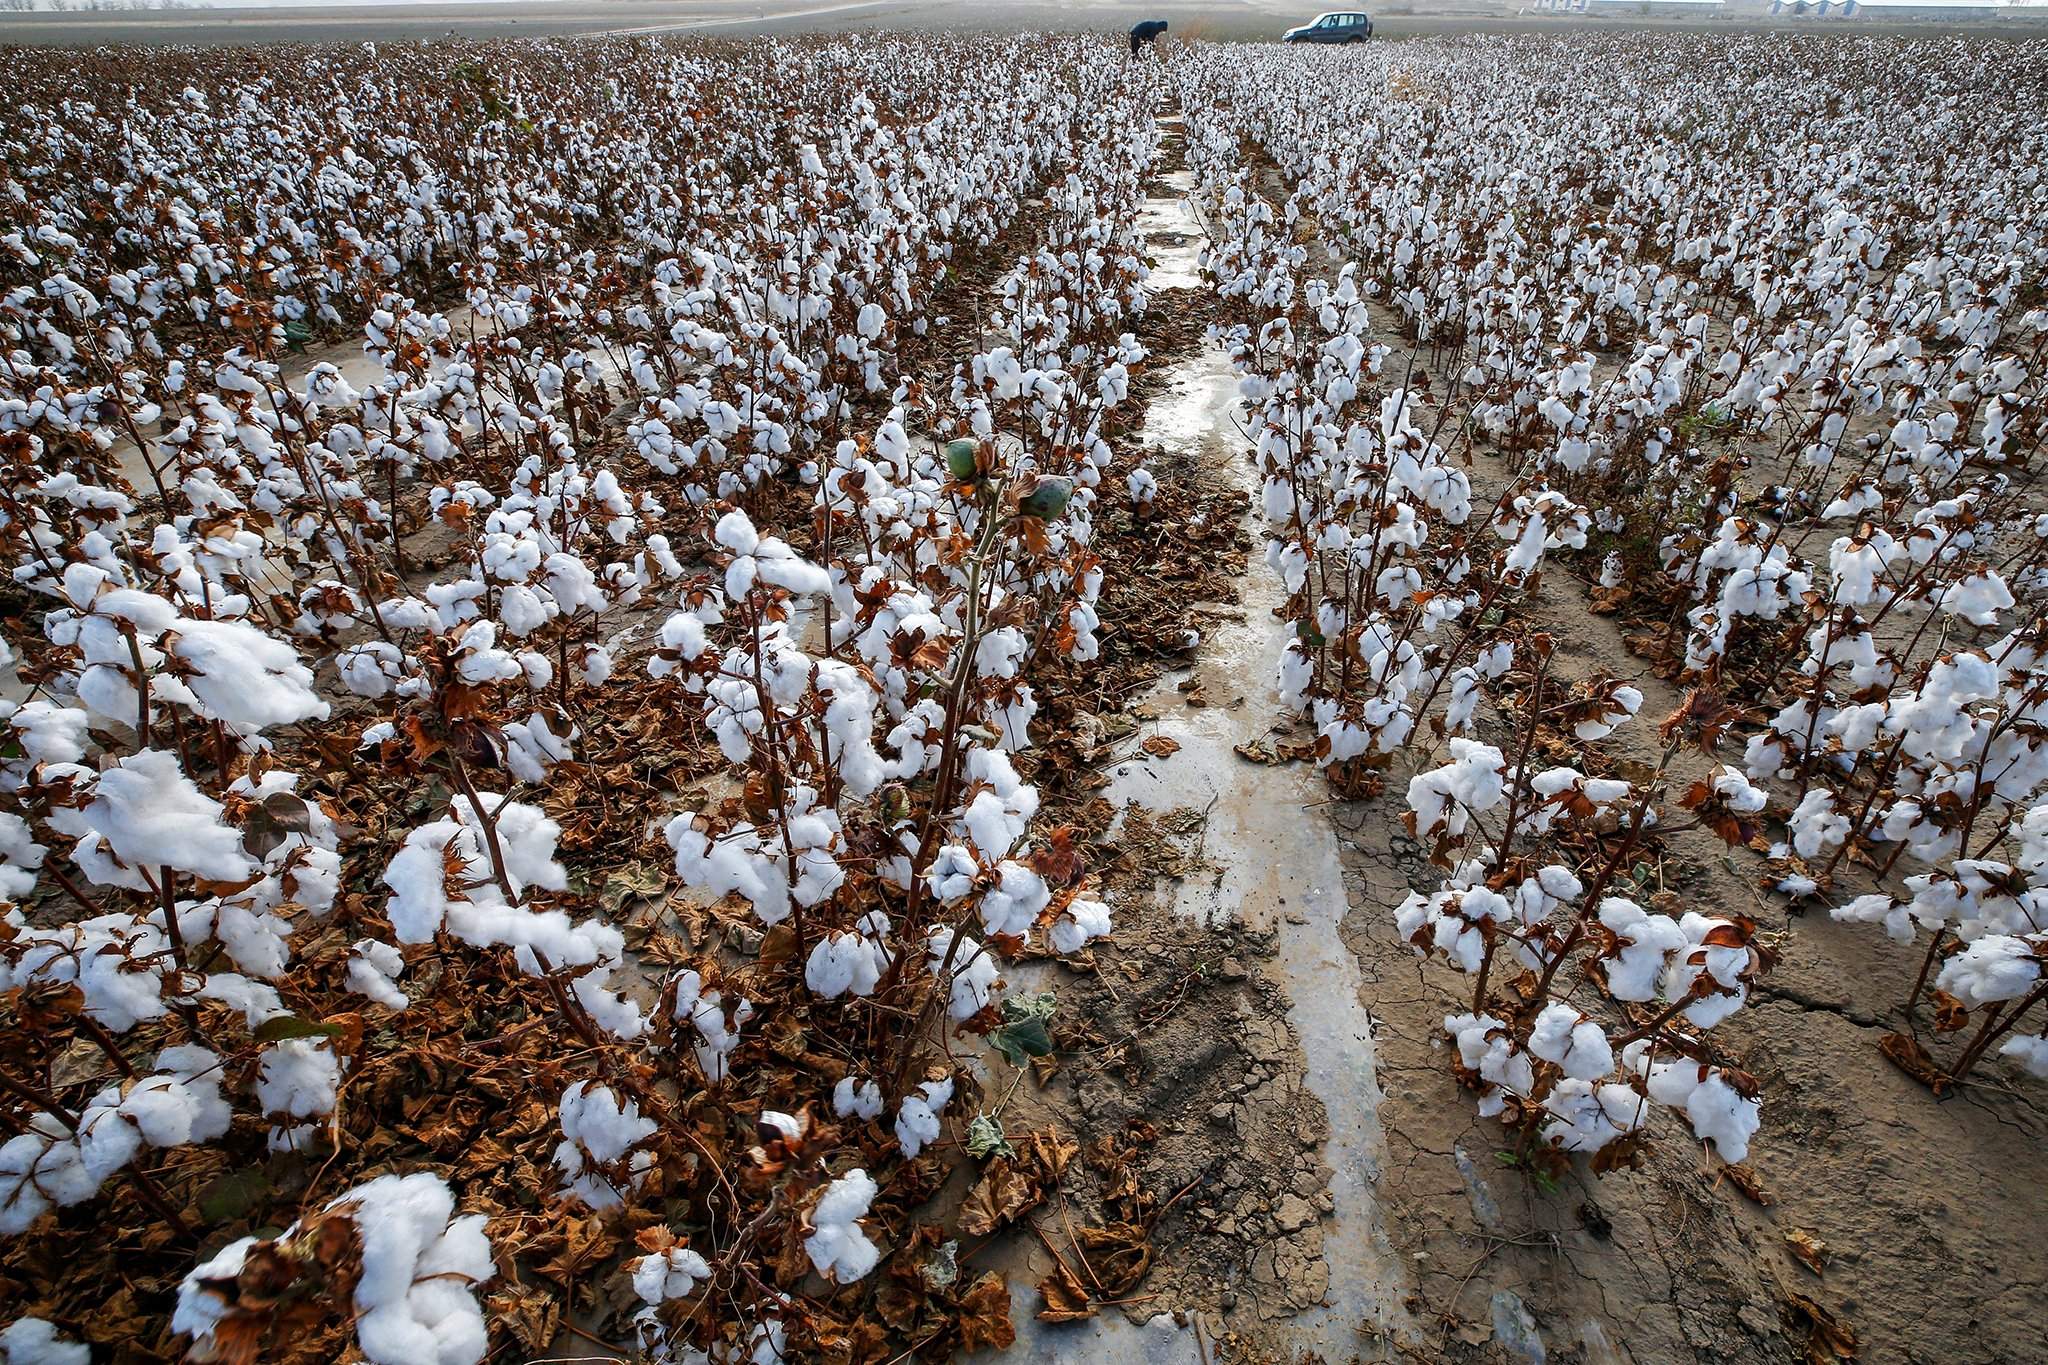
(1222,19)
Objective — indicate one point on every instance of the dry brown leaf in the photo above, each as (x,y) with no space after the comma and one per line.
(1746,1180)
(1828,1338)
(985,1315)
(1118,1256)
(1064,1298)
(1159,746)
(1000,1195)
(1810,1250)
(1909,1056)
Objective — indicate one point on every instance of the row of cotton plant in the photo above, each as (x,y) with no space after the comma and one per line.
(1798,435)
(680,411)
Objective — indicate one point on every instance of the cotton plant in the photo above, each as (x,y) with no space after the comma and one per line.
(415,1266)
(1513,900)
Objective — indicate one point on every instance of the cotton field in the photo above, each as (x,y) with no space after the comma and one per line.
(884,697)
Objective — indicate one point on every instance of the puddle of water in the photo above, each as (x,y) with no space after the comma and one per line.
(1173,235)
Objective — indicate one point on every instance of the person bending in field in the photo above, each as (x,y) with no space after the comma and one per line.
(1146,32)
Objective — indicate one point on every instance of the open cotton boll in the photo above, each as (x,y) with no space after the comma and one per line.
(1724,1117)
(1012,905)
(670,1274)
(1575,1043)
(297,1078)
(20,856)
(373,971)
(1624,702)
(1079,924)
(1586,1117)
(51,733)
(1721,964)
(152,815)
(1646,943)
(599,1131)
(845,962)
(243,676)
(855,1097)
(1878,908)
(414,1301)
(974,972)
(917,1117)
(1815,826)
(2030,1051)
(837,1247)
(1995,968)
(33,1341)
(718,1033)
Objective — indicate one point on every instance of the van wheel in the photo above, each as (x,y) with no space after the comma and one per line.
(1353,39)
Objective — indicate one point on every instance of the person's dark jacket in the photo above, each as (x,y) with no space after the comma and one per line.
(1146,32)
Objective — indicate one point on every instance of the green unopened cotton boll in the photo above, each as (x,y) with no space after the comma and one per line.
(1048,498)
(960,458)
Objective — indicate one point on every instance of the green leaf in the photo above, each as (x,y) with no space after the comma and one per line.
(235,1195)
(291,1026)
(985,1138)
(1025,1038)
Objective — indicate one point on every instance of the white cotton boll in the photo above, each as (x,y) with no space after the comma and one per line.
(1079,924)
(33,1341)
(151,815)
(1576,1044)
(599,1131)
(415,1298)
(952,874)
(1586,1117)
(1722,1116)
(1995,968)
(1877,908)
(845,962)
(1626,701)
(20,856)
(373,971)
(1735,789)
(2030,1051)
(1815,826)
(735,531)
(670,1274)
(1978,598)
(837,1247)
(297,1078)
(974,973)
(854,1097)
(1012,906)
(1722,965)
(51,733)
(917,1117)
(200,1308)
(243,676)
(1646,943)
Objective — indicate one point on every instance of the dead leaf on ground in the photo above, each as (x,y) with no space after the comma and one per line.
(985,1315)
(1810,1250)
(1746,1180)
(1063,1297)
(1828,1338)
(1159,746)
(1909,1056)
(1012,1185)
(1118,1256)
